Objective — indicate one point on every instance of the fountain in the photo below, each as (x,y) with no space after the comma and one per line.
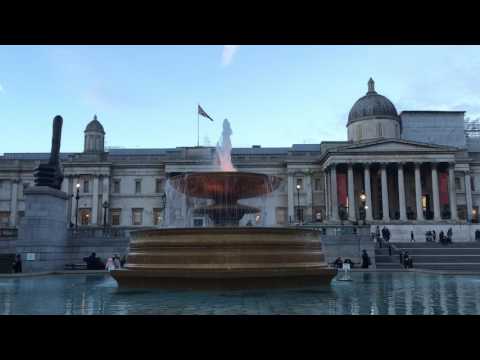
(226,255)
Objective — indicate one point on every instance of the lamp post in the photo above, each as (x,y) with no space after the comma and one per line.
(298,202)
(363,199)
(105,207)
(76,211)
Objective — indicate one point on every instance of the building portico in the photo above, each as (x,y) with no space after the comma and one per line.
(392,180)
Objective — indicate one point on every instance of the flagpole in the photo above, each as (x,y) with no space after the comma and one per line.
(198,127)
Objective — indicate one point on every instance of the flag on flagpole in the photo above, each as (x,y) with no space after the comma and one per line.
(203,113)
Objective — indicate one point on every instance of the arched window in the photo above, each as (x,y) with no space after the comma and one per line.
(359,132)
(379,130)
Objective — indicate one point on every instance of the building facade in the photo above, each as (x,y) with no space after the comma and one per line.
(416,168)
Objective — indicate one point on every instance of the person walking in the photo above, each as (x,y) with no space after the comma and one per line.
(17,265)
(401,257)
(434,234)
(412,236)
(389,250)
(365,260)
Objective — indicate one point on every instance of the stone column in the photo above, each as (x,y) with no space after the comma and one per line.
(368,193)
(95,201)
(74,201)
(308,196)
(351,194)
(14,203)
(291,215)
(106,196)
(327,196)
(453,192)
(385,209)
(468,195)
(65,190)
(418,192)
(333,178)
(401,193)
(435,193)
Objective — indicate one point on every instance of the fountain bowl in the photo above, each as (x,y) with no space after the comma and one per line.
(225,257)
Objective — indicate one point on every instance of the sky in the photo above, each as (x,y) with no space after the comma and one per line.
(273,96)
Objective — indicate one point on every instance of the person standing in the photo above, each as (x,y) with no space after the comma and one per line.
(434,234)
(406,260)
(401,257)
(17,265)
(365,260)
(412,237)
(449,235)
(389,250)
(110,265)
(116,262)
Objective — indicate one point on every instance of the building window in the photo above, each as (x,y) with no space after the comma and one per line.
(4,218)
(157,216)
(472,183)
(86,185)
(115,216)
(281,215)
(159,186)
(137,215)
(198,222)
(458,184)
(318,185)
(85,216)
(116,186)
(379,130)
(138,186)
(299,182)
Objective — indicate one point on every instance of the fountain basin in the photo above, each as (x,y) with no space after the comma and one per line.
(224,257)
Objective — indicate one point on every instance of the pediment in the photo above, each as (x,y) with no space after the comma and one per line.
(394,145)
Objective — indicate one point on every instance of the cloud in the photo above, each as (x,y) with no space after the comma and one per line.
(228,53)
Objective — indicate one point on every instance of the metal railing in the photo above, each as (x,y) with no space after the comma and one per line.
(8,233)
(98,232)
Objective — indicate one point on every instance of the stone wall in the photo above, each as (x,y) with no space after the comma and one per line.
(401,233)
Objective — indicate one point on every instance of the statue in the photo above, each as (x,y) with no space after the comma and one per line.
(50,174)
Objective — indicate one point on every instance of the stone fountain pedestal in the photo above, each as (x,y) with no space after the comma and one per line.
(224,258)
(43,231)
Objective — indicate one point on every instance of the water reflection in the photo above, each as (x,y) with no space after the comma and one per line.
(367,294)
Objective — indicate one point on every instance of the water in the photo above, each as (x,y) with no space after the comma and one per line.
(368,293)
(224,149)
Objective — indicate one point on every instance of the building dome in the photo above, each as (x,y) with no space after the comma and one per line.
(372,106)
(94,137)
(95,126)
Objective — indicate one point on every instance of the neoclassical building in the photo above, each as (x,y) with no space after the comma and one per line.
(413,169)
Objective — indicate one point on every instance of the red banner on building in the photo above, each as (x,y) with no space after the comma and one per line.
(443,188)
(342,189)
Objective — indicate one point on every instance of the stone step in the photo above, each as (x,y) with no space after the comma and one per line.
(440,251)
(430,245)
(436,258)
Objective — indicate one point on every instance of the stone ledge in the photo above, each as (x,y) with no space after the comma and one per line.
(45,190)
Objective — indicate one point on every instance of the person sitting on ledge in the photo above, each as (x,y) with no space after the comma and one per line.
(17,265)
(348,261)
(365,260)
(338,263)
(93,262)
